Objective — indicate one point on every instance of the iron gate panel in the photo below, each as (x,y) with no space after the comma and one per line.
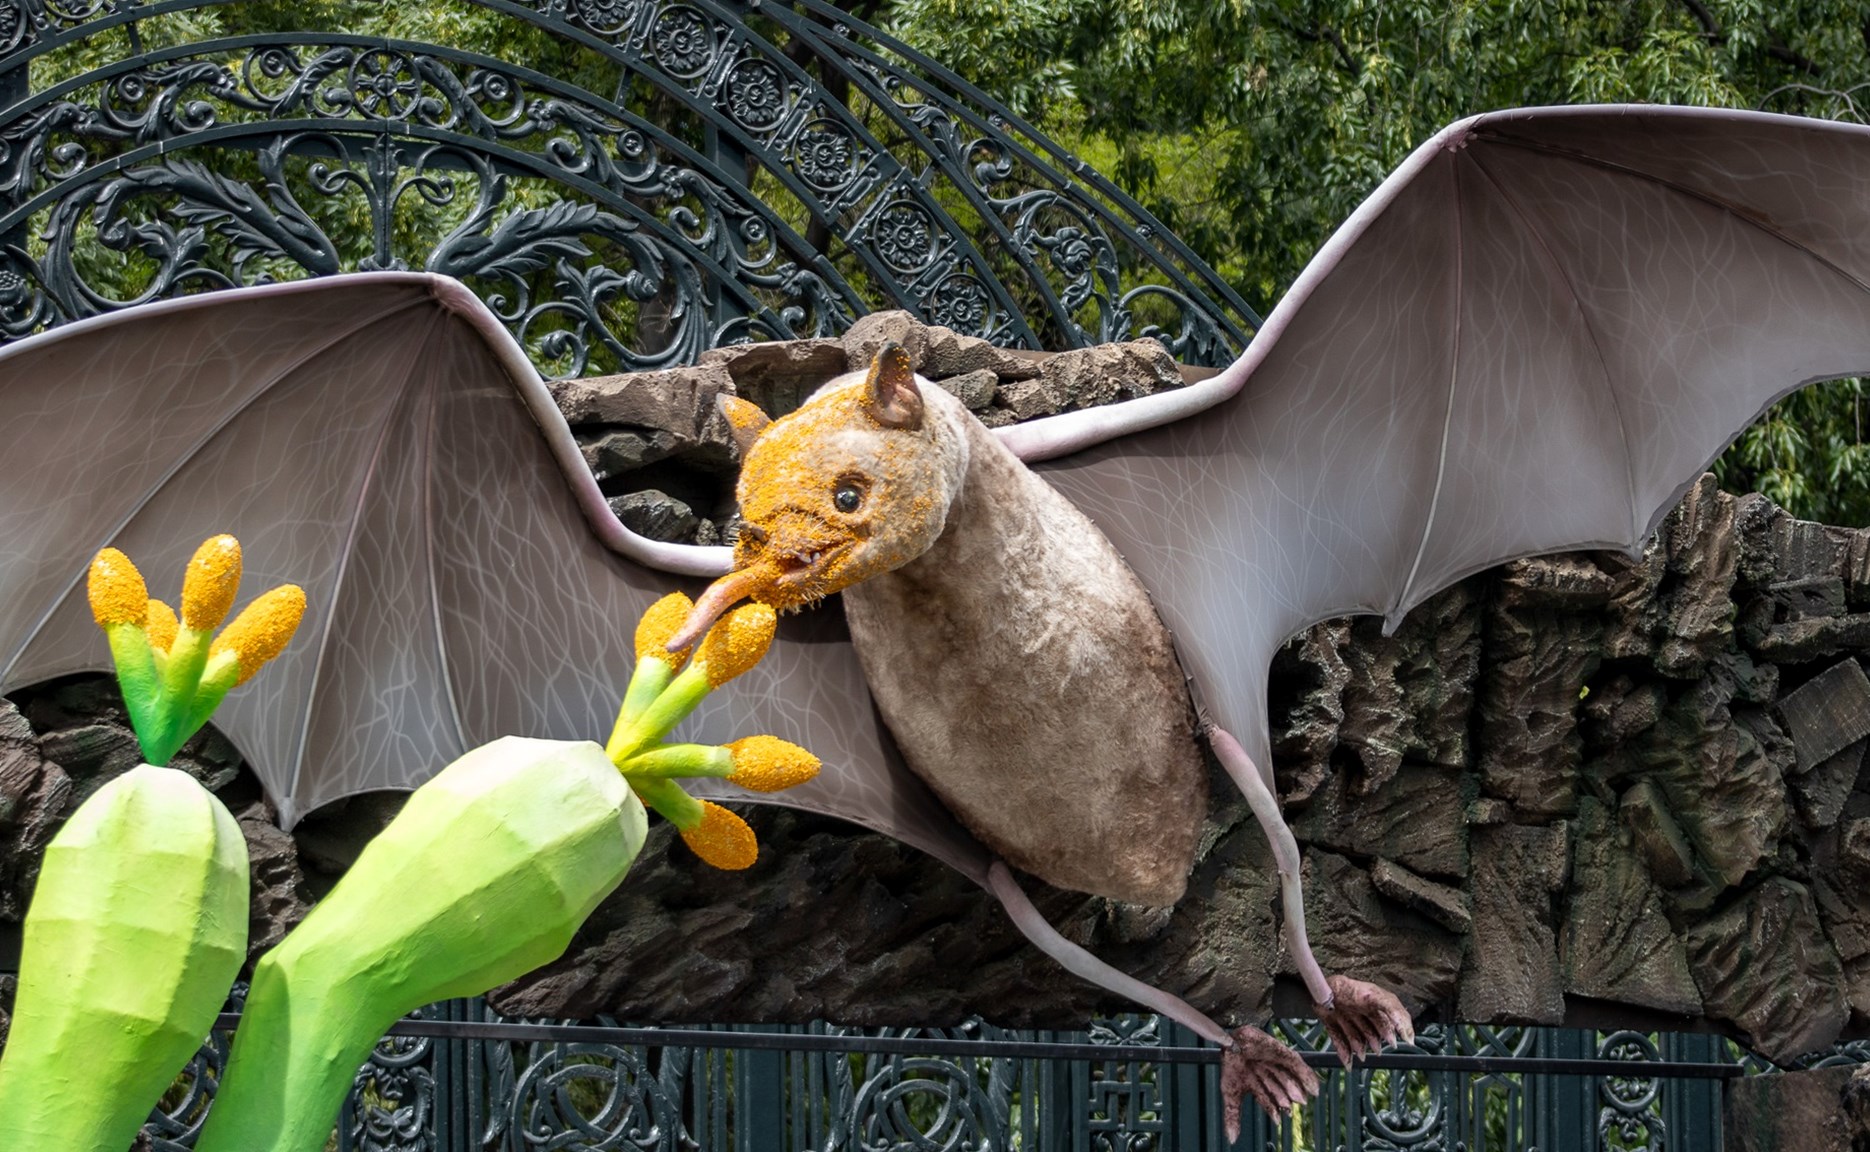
(722,191)
(482,1088)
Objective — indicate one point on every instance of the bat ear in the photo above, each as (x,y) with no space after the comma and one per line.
(891,397)
(744,419)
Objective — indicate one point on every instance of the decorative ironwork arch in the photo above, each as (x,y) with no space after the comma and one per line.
(761,170)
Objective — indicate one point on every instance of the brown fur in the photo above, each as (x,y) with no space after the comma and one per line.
(1026,676)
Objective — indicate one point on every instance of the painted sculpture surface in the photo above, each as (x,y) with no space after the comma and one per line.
(1531,338)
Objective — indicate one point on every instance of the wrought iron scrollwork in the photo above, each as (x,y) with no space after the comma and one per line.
(611,232)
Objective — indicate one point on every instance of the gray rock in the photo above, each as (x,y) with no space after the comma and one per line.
(1854,1117)
(1512,968)
(677,400)
(1417,819)
(871,332)
(1102,373)
(1354,932)
(974,389)
(1441,903)
(1827,713)
(998,417)
(34,796)
(1543,646)
(656,515)
(1764,964)
(1821,793)
(1657,837)
(1618,944)
(611,452)
(952,354)
(778,375)
(92,755)
(1312,674)
(280,898)
(1786,1112)
(1028,399)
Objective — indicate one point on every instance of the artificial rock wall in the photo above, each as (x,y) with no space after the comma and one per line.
(1580,786)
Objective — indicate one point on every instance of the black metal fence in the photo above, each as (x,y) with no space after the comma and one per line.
(457,1078)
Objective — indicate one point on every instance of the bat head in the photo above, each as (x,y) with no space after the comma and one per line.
(855,483)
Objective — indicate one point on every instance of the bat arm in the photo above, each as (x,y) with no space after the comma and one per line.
(678,559)
(1080,963)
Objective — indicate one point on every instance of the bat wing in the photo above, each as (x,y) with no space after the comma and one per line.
(381,441)
(1533,337)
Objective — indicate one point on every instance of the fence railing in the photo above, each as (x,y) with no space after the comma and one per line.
(457,1077)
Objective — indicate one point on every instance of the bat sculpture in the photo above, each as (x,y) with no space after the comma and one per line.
(1532,337)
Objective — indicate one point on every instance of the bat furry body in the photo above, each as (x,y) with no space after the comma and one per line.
(1027,678)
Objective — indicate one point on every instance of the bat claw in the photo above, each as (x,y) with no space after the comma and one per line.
(1259,1066)
(1362,1018)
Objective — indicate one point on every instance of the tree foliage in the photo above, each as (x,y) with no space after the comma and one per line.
(1253,127)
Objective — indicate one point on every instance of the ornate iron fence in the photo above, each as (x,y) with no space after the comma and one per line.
(749,170)
(459,1079)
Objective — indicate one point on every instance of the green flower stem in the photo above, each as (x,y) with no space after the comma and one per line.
(670,760)
(181,676)
(651,677)
(667,797)
(670,708)
(221,676)
(140,683)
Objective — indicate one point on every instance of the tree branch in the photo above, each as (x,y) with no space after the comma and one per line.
(1710,27)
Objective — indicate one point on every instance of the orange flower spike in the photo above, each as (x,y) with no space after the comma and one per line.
(737,643)
(117,591)
(162,626)
(769,764)
(722,839)
(120,605)
(209,586)
(262,630)
(660,621)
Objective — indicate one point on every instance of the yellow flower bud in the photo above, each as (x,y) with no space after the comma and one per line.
(768,764)
(162,626)
(118,594)
(262,629)
(660,622)
(737,642)
(722,839)
(209,585)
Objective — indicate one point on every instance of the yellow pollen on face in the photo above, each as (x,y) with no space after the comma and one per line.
(722,839)
(262,629)
(769,764)
(736,643)
(209,585)
(118,594)
(162,626)
(660,622)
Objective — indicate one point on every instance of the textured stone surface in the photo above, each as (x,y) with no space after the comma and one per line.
(778,375)
(1787,1112)
(1765,964)
(1354,931)
(1827,713)
(1618,943)
(1442,903)
(1512,970)
(1416,819)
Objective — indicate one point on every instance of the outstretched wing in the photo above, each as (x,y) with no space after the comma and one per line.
(381,441)
(1533,337)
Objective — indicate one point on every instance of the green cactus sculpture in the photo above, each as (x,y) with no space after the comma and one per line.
(486,874)
(138,924)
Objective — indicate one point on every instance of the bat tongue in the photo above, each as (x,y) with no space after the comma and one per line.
(720,596)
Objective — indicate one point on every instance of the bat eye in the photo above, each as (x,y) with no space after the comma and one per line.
(848,496)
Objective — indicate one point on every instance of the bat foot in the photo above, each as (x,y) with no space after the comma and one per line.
(1259,1066)
(1363,1018)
